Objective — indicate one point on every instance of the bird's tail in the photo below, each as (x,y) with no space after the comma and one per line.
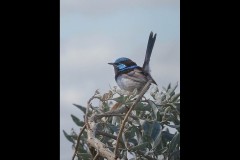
(150,45)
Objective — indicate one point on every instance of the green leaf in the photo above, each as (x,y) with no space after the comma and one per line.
(77,121)
(171,91)
(123,155)
(113,128)
(120,99)
(156,129)
(154,108)
(174,106)
(175,97)
(151,129)
(142,107)
(68,137)
(163,97)
(139,135)
(105,107)
(83,109)
(133,140)
(146,138)
(167,136)
(164,149)
(84,156)
(157,141)
(115,120)
(169,86)
(175,155)
(173,126)
(146,126)
(130,133)
(139,147)
(174,142)
(177,104)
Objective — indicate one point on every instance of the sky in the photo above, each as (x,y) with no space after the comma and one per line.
(96,32)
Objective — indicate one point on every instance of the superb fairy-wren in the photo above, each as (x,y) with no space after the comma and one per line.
(129,75)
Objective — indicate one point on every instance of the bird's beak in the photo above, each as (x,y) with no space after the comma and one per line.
(111,63)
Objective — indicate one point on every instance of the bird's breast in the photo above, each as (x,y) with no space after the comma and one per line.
(128,84)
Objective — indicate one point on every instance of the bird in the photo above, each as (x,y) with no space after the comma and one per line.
(129,75)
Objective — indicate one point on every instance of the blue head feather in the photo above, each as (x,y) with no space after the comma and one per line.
(121,66)
(122,59)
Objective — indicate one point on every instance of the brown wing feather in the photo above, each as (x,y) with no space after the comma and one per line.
(136,75)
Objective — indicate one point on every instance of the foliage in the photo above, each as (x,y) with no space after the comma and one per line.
(146,134)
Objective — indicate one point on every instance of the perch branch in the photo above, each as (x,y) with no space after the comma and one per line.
(78,141)
(144,90)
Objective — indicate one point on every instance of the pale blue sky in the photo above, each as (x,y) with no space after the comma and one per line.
(95,32)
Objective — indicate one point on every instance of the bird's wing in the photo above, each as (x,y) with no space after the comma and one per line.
(150,45)
(136,75)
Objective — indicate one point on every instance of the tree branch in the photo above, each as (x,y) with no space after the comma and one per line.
(116,112)
(87,109)
(106,134)
(144,90)
(92,141)
(78,141)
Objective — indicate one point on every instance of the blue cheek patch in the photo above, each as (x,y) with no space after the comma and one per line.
(121,66)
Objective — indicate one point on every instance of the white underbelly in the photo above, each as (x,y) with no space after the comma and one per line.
(128,84)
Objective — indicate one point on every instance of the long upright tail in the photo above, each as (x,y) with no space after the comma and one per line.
(150,45)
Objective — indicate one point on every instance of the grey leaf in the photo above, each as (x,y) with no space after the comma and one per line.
(84,156)
(77,121)
(154,108)
(174,142)
(175,97)
(157,140)
(171,91)
(156,129)
(139,147)
(83,109)
(68,137)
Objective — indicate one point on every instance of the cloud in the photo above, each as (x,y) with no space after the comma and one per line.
(100,7)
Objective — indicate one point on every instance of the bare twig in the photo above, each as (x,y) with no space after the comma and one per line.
(78,141)
(108,115)
(108,135)
(144,90)
(116,112)
(96,155)
(113,114)
(87,109)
